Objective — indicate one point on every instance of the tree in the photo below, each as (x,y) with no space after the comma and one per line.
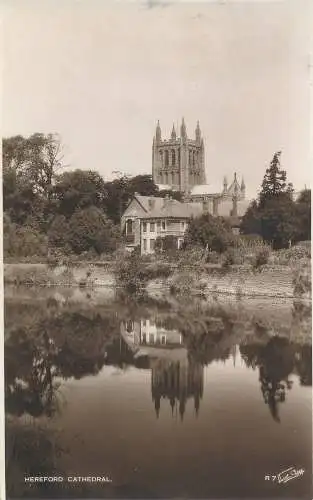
(142,184)
(37,159)
(18,196)
(274,181)
(90,229)
(251,221)
(273,216)
(303,215)
(77,190)
(209,231)
(121,191)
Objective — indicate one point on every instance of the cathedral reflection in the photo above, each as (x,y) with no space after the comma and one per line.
(177,382)
(174,378)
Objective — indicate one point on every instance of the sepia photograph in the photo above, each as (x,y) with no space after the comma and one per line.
(156,242)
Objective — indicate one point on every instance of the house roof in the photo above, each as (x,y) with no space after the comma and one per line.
(174,209)
(148,202)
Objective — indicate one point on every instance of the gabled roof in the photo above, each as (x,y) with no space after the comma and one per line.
(174,209)
(147,201)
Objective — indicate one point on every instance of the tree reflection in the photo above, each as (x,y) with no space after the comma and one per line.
(37,357)
(276,361)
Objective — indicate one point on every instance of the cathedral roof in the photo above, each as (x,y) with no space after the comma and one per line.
(206,189)
(164,187)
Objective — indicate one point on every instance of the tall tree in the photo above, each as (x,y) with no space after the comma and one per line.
(274,181)
(79,189)
(273,216)
(36,159)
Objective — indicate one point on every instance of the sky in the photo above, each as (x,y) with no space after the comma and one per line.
(101,73)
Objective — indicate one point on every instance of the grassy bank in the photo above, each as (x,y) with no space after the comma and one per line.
(285,275)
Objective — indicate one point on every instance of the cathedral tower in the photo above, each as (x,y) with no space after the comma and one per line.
(179,161)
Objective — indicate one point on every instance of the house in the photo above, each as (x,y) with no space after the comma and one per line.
(148,218)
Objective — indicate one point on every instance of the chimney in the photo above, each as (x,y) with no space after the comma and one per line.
(166,200)
(151,204)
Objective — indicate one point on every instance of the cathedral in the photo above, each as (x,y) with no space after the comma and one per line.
(178,162)
(178,165)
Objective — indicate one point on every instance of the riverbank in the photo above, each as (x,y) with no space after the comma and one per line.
(277,281)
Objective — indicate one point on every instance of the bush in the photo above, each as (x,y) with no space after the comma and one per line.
(23,241)
(261,258)
(213,258)
(89,229)
(229,258)
(183,283)
(302,282)
(210,232)
(133,273)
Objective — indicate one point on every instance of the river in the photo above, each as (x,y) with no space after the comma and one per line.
(124,398)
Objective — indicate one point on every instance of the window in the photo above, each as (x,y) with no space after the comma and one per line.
(144,227)
(145,244)
(152,227)
(163,339)
(129,326)
(152,244)
(144,338)
(183,225)
(173,157)
(166,158)
(151,338)
(129,226)
(163,225)
(159,224)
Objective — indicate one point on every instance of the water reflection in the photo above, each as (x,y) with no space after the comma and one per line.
(54,345)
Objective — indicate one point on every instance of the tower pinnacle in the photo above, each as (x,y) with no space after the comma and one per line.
(198,132)
(158,132)
(183,131)
(173,134)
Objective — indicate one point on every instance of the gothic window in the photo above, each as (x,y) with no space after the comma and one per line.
(179,157)
(161,157)
(194,158)
(173,157)
(166,158)
(190,157)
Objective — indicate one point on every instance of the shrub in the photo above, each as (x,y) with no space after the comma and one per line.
(229,258)
(183,283)
(23,241)
(213,258)
(210,232)
(261,258)
(302,283)
(133,273)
